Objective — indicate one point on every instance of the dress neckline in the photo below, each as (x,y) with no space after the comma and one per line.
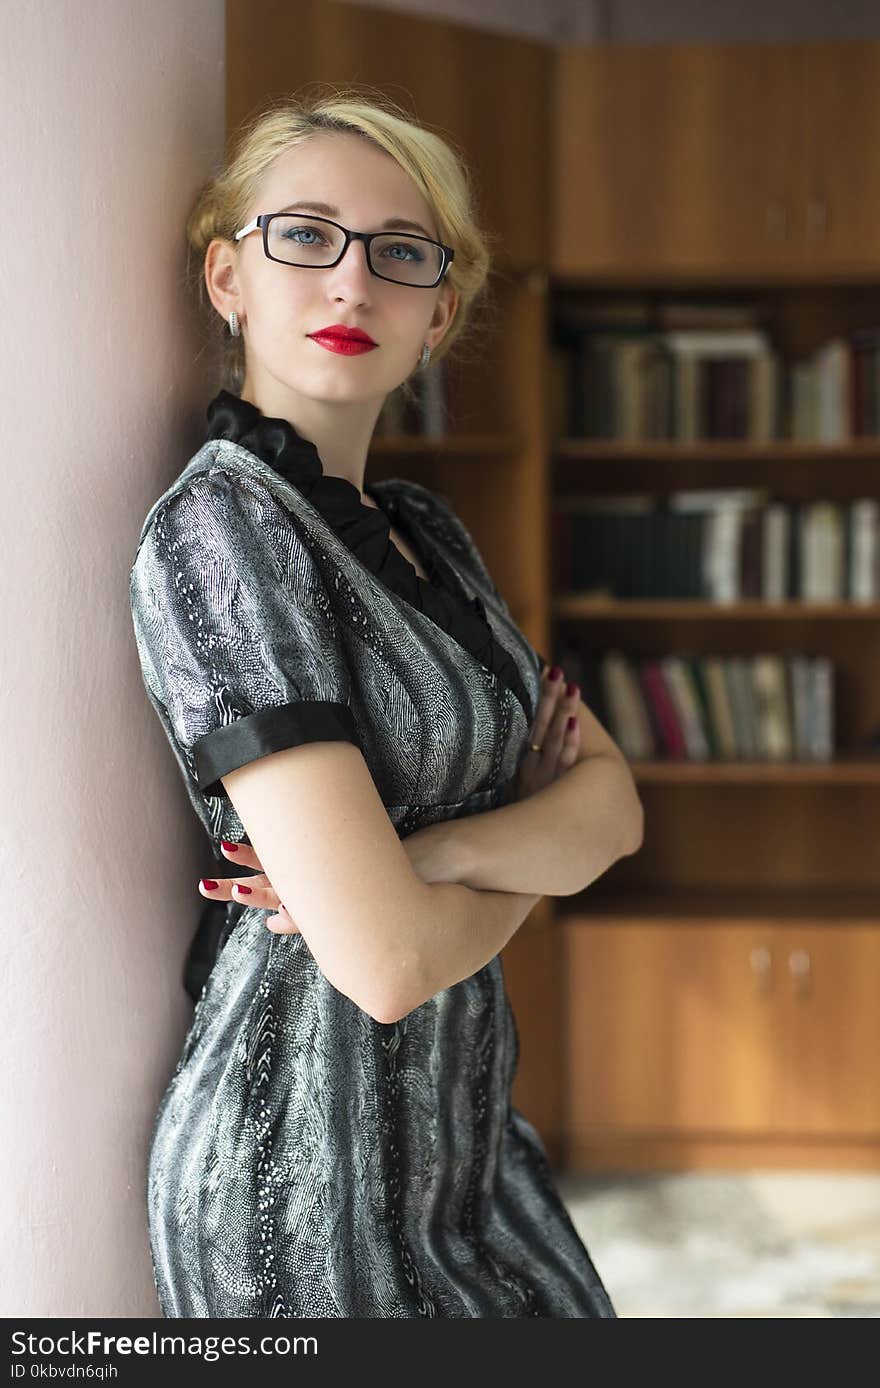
(366,531)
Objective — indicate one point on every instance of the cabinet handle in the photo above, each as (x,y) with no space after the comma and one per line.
(817,218)
(762,961)
(777,220)
(800,967)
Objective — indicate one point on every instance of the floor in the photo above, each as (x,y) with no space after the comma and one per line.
(760,1243)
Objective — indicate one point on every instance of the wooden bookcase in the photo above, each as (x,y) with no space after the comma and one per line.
(710,1000)
(721,986)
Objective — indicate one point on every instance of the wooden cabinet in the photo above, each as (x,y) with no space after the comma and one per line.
(485,92)
(715,159)
(721,1028)
(669,1026)
(744,1031)
(841,118)
(826,981)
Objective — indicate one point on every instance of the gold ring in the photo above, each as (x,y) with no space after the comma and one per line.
(535,746)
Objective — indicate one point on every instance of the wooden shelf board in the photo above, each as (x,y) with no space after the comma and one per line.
(842,770)
(449,445)
(589,607)
(713,450)
(647,277)
(670,905)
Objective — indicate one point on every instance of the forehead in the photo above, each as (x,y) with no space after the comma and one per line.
(348,172)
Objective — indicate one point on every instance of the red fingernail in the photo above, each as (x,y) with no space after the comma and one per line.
(570,689)
(209,885)
(556,672)
(239,887)
(230,847)
(572,724)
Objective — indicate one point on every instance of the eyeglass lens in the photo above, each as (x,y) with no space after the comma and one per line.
(397,256)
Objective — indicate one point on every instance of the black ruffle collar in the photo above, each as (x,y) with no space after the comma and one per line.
(366,532)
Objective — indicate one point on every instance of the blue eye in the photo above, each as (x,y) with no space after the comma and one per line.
(414,252)
(292,232)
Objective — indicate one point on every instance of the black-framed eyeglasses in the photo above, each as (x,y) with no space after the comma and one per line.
(317,243)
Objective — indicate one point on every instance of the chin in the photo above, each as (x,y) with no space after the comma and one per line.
(335,383)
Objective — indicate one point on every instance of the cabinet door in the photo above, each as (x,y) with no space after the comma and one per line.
(485,91)
(828,1001)
(841,228)
(669,1026)
(677,157)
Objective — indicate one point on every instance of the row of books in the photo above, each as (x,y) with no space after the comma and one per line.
(719,545)
(687,707)
(420,406)
(624,377)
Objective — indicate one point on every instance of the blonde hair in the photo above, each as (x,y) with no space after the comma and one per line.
(435,167)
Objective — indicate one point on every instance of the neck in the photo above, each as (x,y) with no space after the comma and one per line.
(340,430)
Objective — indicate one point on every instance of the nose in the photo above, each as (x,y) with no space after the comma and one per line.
(353,267)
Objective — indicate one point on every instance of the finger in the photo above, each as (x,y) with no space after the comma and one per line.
(221,889)
(550,692)
(570,746)
(565,708)
(282,923)
(250,891)
(241,853)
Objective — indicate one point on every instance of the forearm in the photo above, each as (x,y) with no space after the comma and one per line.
(556,841)
(464,929)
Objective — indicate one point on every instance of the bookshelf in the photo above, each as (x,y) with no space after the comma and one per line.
(722,967)
(727,974)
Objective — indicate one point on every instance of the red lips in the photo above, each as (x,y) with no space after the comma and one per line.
(346,334)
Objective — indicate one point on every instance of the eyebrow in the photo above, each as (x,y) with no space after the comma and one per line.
(392,224)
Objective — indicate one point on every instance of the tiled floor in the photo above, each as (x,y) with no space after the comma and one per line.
(724,1244)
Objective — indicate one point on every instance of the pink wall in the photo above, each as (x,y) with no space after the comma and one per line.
(112,113)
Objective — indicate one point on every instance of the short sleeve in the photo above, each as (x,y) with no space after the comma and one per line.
(235,629)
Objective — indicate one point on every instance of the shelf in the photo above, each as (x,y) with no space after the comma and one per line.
(720,905)
(449,445)
(702,279)
(699,609)
(842,771)
(715,450)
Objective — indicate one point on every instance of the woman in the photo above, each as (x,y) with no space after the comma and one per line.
(346,693)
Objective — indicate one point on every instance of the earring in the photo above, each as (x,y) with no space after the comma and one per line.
(234,326)
(426,355)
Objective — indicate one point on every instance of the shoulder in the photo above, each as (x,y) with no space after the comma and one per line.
(222,497)
(224,537)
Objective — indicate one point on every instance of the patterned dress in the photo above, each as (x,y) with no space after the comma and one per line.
(306,1160)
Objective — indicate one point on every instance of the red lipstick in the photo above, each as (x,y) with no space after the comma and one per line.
(340,338)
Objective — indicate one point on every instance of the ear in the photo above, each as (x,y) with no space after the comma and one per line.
(444,312)
(221,277)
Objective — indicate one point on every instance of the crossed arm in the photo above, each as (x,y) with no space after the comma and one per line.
(392,948)
(560,839)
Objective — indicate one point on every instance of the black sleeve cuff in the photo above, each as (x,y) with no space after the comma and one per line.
(268,730)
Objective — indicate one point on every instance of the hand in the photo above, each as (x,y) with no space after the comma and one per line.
(262,894)
(425,848)
(559,746)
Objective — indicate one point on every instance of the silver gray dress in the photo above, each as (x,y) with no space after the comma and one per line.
(306,1160)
